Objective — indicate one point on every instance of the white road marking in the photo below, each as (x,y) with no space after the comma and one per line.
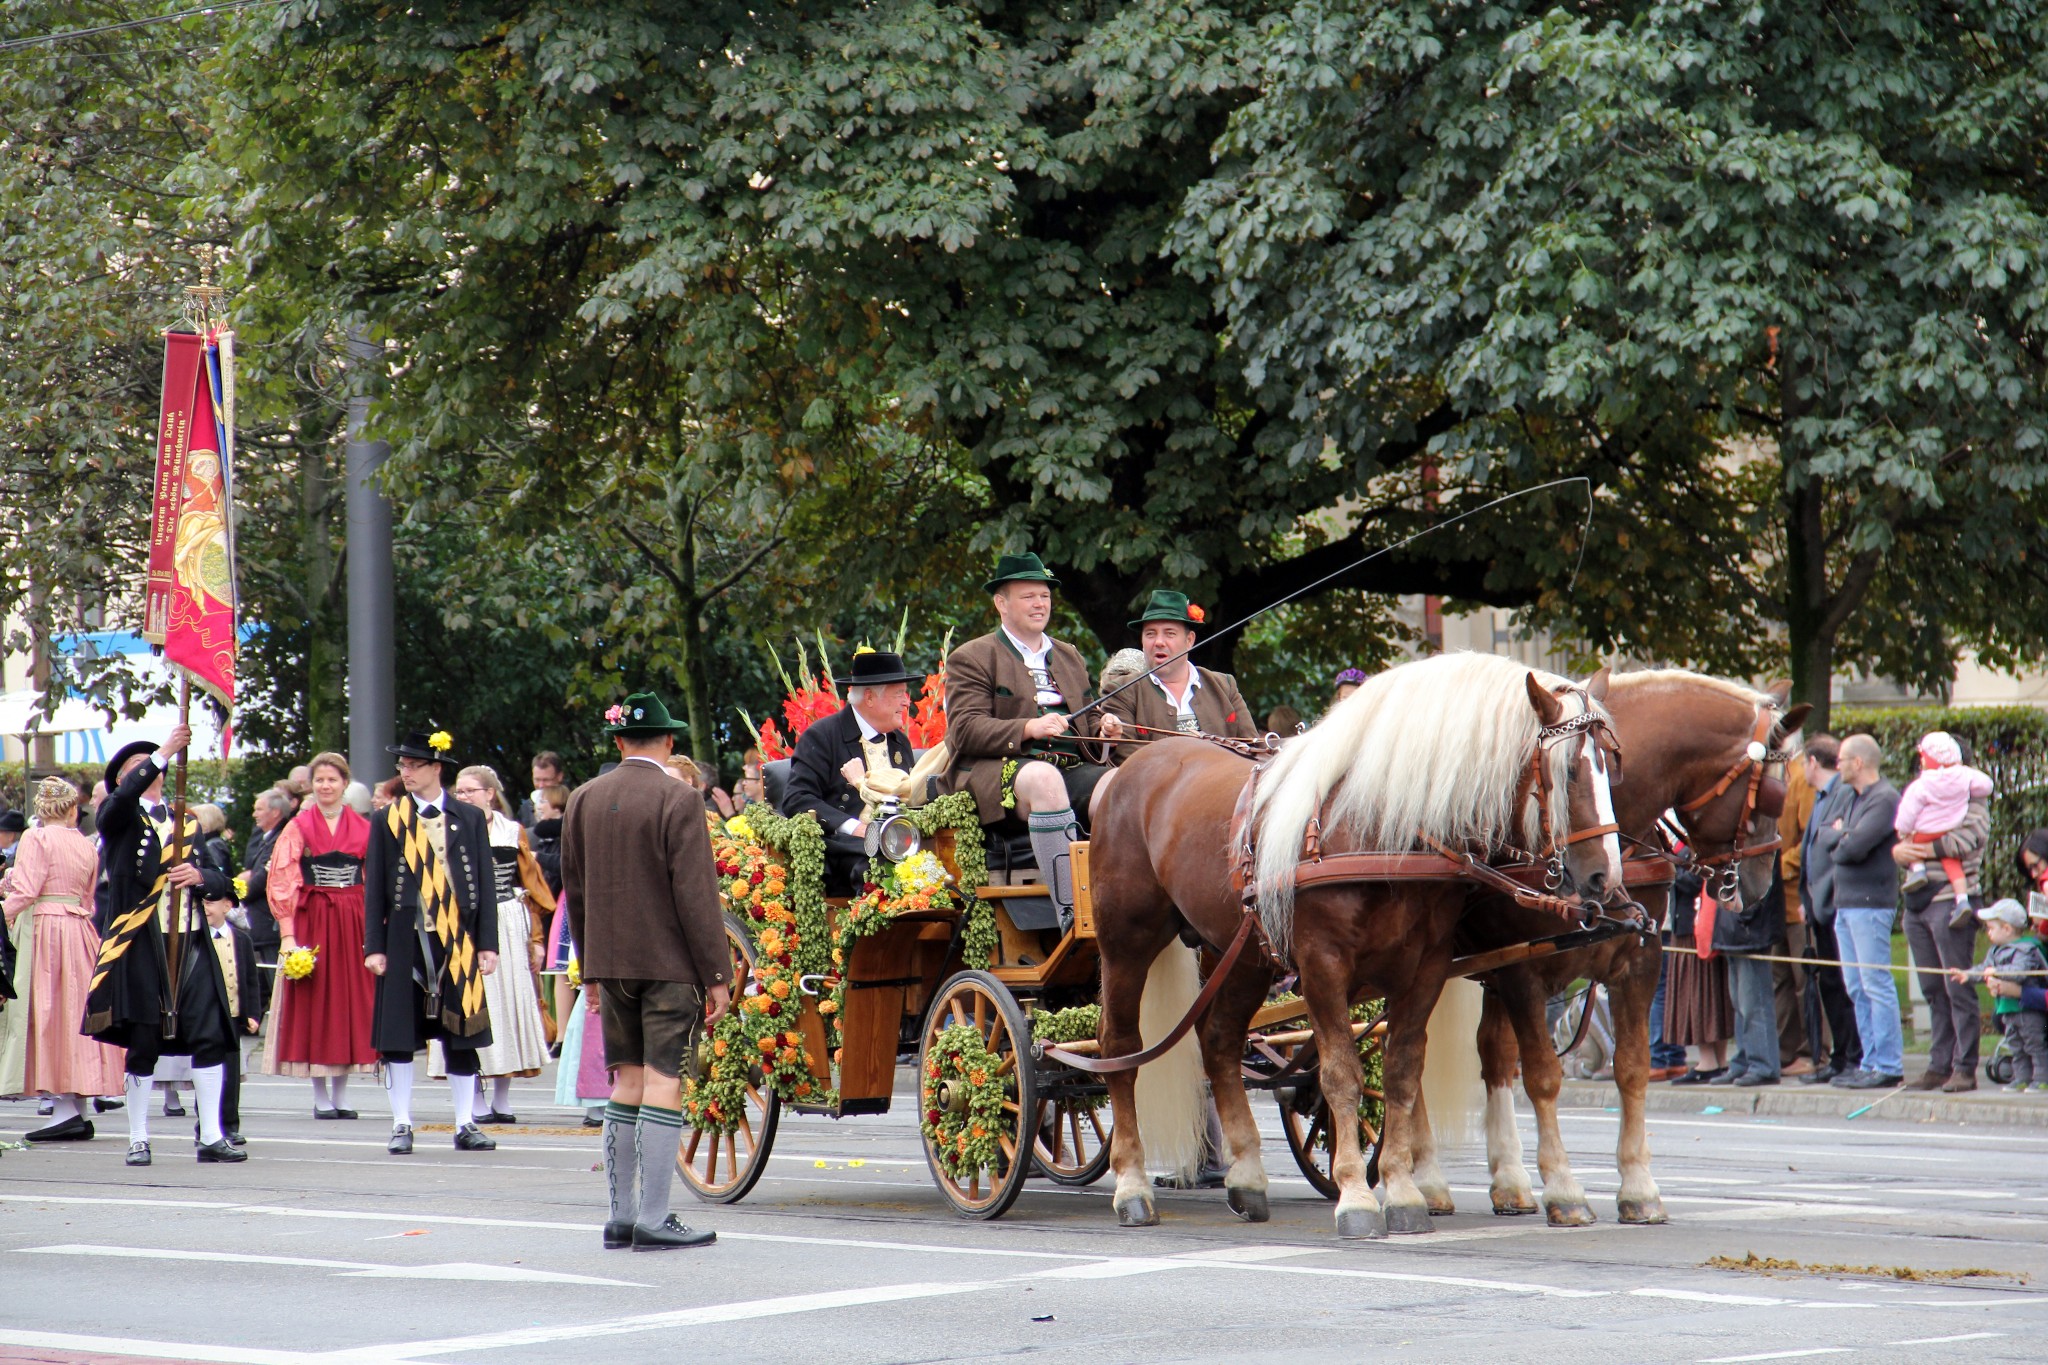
(1733,1123)
(366,1270)
(1940,1341)
(150,1350)
(1780,1355)
(1703,1296)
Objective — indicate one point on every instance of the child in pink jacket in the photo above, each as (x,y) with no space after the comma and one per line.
(1933,804)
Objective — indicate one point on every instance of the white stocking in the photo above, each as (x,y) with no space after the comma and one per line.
(139,1090)
(462,1089)
(339,1084)
(501,1095)
(320,1100)
(207,1082)
(398,1080)
(64,1108)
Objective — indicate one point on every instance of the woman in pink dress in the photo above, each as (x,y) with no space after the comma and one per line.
(320,1025)
(48,908)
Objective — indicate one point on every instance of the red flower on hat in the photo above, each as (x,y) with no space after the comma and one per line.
(1196,614)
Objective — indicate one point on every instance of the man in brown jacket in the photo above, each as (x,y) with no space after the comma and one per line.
(1014,743)
(1176,696)
(643,910)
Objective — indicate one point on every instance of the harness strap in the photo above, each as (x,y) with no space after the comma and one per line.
(1112,1066)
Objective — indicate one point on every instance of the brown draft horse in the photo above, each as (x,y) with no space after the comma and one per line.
(1439,746)
(1681,734)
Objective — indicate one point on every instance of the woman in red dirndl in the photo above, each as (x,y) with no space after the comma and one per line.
(320,1024)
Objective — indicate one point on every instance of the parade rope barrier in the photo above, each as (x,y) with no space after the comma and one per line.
(1837,962)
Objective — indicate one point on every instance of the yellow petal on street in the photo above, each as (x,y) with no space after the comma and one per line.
(822,1165)
(856,1163)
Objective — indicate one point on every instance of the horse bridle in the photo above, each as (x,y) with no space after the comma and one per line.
(1750,769)
(1536,782)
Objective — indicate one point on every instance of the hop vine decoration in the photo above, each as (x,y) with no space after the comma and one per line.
(963,1090)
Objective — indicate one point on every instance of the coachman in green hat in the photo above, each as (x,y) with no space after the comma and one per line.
(1016,744)
(1176,696)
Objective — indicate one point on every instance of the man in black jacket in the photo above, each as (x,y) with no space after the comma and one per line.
(271,809)
(1866,903)
(1817,894)
(837,752)
(430,935)
(129,1003)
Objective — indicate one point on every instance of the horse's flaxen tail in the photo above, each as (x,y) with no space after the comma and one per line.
(1451,1086)
(1171,1110)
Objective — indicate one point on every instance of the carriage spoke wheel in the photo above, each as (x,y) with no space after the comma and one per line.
(1305,1122)
(1072,1141)
(976,1000)
(722,1167)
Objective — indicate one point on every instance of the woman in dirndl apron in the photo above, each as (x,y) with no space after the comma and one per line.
(519,1041)
(320,1023)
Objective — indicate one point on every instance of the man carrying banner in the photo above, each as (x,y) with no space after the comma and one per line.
(430,934)
(132,1001)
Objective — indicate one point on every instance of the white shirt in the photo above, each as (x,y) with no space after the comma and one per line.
(871,739)
(642,758)
(439,801)
(1037,661)
(1184,704)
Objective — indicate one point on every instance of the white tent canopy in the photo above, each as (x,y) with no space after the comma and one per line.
(81,731)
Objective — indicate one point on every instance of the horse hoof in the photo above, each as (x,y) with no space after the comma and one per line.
(1408,1219)
(1513,1205)
(1578,1214)
(1138,1213)
(1642,1211)
(1250,1205)
(1441,1208)
(1361,1223)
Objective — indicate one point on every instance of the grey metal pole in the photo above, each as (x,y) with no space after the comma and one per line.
(372,709)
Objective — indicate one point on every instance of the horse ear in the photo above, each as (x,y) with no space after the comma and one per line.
(1789,723)
(1596,686)
(1781,690)
(1549,709)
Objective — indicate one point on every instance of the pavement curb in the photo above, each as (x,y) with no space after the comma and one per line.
(1793,1100)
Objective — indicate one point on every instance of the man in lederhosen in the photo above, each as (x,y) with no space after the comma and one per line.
(126,1005)
(834,754)
(430,934)
(1014,743)
(1176,695)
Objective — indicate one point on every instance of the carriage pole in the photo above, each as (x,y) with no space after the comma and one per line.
(174,941)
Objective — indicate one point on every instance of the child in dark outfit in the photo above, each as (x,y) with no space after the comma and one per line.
(2015,956)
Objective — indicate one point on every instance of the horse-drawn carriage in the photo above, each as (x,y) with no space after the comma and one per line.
(937,958)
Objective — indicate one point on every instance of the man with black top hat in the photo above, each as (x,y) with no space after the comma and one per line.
(430,934)
(129,1002)
(13,824)
(836,753)
(1015,743)
(1176,697)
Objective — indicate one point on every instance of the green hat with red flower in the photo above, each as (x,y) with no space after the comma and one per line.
(1168,605)
(641,715)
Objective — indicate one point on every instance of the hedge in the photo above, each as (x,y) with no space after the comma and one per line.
(2008,742)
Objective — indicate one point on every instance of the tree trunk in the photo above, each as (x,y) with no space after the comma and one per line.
(1811,635)
(327,645)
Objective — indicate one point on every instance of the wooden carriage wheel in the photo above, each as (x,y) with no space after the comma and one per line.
(1071,1140)
(978,1001)
(721,1168)
(1306,1124)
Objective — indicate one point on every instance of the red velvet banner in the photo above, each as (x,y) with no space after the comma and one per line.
(190,607)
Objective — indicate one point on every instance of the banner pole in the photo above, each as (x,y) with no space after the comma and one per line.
(174,943)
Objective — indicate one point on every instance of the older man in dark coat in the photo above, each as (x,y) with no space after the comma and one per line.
(838,751)
(430,934)
(129,1003)
(642,895)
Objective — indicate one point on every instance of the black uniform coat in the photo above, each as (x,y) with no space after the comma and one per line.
(127,1010)
(817,785)
(391,910)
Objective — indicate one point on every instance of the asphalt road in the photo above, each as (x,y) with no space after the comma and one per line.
(324,1249)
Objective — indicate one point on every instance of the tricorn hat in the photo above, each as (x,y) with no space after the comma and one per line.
(419,744)
(642,714)
(121,757)
(1168,605)
(1027,567)
(873,667)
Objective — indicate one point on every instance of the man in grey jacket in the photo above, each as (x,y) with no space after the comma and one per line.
(1866,895)
(1951,1005)
(1817,894)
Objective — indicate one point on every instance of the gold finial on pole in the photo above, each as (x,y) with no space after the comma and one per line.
(204,302)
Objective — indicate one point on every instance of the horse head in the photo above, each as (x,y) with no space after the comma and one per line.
(1576,743)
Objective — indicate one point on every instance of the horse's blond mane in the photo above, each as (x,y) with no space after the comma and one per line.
(1436,747)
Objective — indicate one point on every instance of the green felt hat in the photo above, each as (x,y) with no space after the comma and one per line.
(1025,568)
(1168,605)
(642,714)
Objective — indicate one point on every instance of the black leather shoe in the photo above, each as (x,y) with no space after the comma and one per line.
(669,1236)
(589,1122)
(344,1114)
(103,1106)
(221,1151)
(618,1236)
(138,1154)
(495,1117)
(1875,1080)
(470,1138)
(320,1113)
(1846,1080)
(1818,1076)
(1723,1077)
(1699,1077)
(173,1109)
(1749,1078)
(401,1140)
(73,1129)
(235,1139)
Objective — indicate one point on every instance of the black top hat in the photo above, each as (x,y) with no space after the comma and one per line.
(13,822)
(121,757)
(642,715)
(420,744)
(874,667)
